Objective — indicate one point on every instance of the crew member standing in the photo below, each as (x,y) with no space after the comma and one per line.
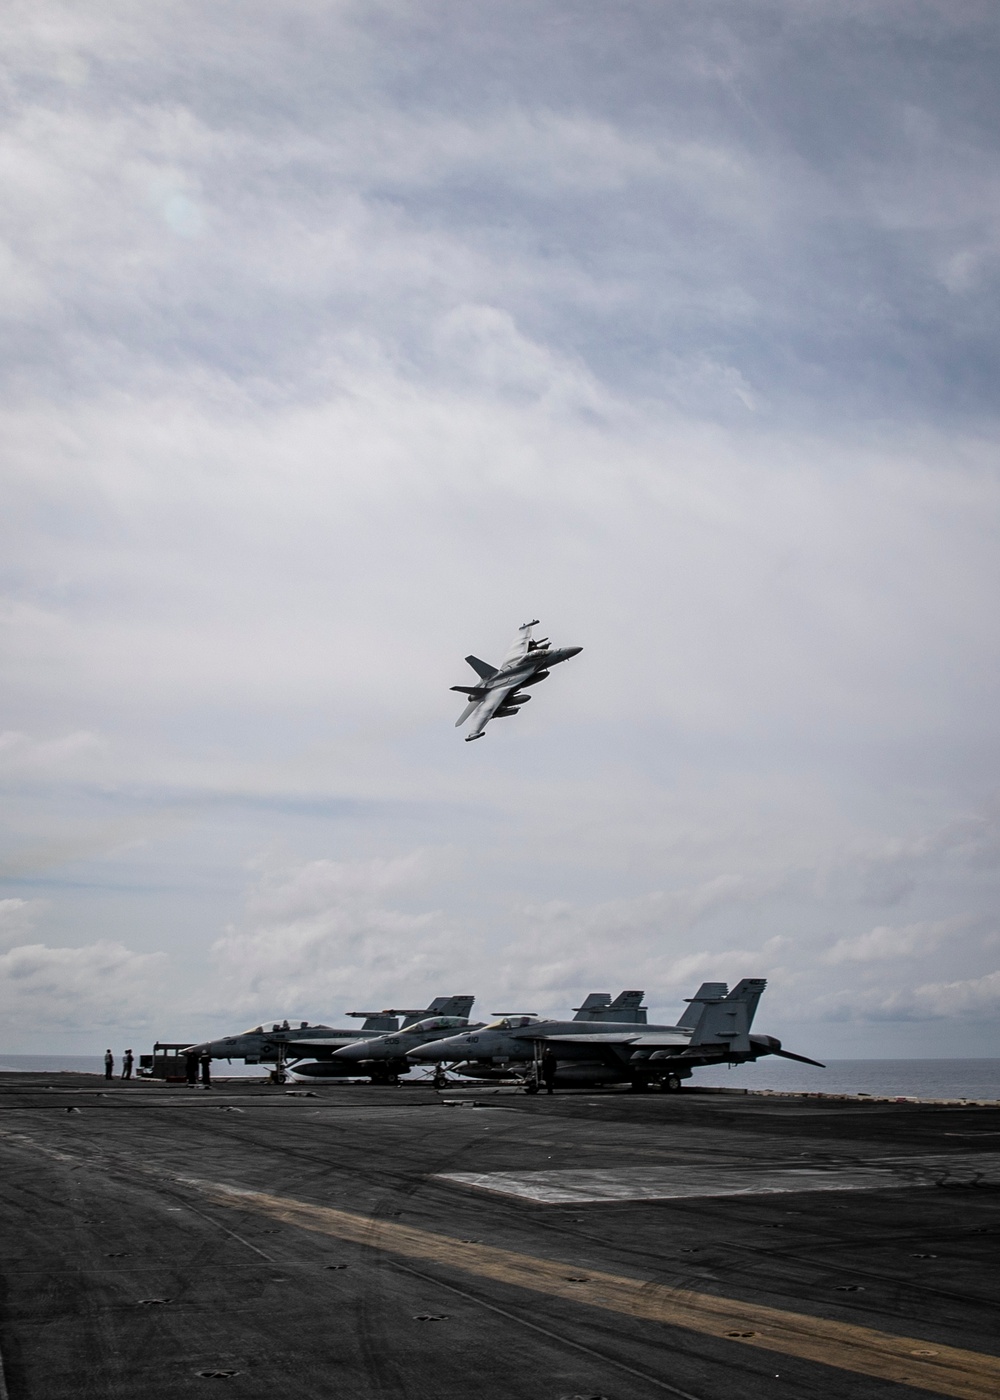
(191,1067)
(548,1068)
(127,1062)
(109,1064)
(206,1069)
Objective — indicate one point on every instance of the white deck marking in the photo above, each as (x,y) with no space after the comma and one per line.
(672,1182)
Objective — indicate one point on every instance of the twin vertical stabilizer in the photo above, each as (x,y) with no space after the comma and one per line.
(727,1020)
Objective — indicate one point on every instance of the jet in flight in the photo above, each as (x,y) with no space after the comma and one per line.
(715,1029)
(499,694)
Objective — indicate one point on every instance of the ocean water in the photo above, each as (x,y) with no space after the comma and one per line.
(924,1079)
(94,1064)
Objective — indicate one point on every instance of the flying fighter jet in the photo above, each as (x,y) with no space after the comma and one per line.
(498,696)
(714,1030)
(280,1043)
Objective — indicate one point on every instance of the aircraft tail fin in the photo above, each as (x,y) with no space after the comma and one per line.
(593,1004)
(727,1021)
(626,1007)
(380,1025)
(449,1006)
(481,668)
(707,992)
(440,1006)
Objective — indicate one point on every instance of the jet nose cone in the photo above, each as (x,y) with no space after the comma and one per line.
(347,1052)
(573,651)
(423,1052)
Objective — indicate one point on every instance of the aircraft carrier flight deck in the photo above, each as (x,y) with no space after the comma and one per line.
(349,1242)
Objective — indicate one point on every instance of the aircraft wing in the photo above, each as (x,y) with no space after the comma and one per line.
(328,1043)
(518,649)
(485,709)
(595,1038)
(652,1041)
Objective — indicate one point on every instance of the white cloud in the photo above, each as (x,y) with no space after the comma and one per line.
(17,917)
(904,941)
(317,933)
(102,984)
(971,997)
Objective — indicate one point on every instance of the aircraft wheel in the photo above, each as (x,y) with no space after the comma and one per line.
(670,1083)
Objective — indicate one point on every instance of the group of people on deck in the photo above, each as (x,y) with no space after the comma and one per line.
(192,1064)
(128,1060)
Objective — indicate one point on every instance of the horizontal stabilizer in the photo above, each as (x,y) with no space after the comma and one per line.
(381,1021)
(476,690)
(802,1059)
(482,668)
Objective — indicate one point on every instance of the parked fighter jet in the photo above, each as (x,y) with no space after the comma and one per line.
(498,696)
(714,1030)
(385,1057)
(322,1051)
(281,1043)
(264,1043)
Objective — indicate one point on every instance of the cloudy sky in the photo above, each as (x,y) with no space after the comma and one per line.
(344,337)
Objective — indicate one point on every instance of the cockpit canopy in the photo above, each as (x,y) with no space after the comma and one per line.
(511,1023)
(275,1026)
(439,1023)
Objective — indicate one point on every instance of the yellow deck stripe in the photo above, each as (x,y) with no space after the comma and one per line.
(944,1370)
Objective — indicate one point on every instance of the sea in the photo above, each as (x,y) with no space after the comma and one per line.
(921,1079)
(94,1064)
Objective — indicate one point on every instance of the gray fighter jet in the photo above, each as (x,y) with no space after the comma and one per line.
(715,1029)
(499,695)
(388,1056)
(279,1043)
(322,1051)
(385,1057)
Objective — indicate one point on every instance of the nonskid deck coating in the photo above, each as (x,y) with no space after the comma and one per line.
(100,1220)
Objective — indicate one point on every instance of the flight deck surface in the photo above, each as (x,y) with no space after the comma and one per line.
(347,1242)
